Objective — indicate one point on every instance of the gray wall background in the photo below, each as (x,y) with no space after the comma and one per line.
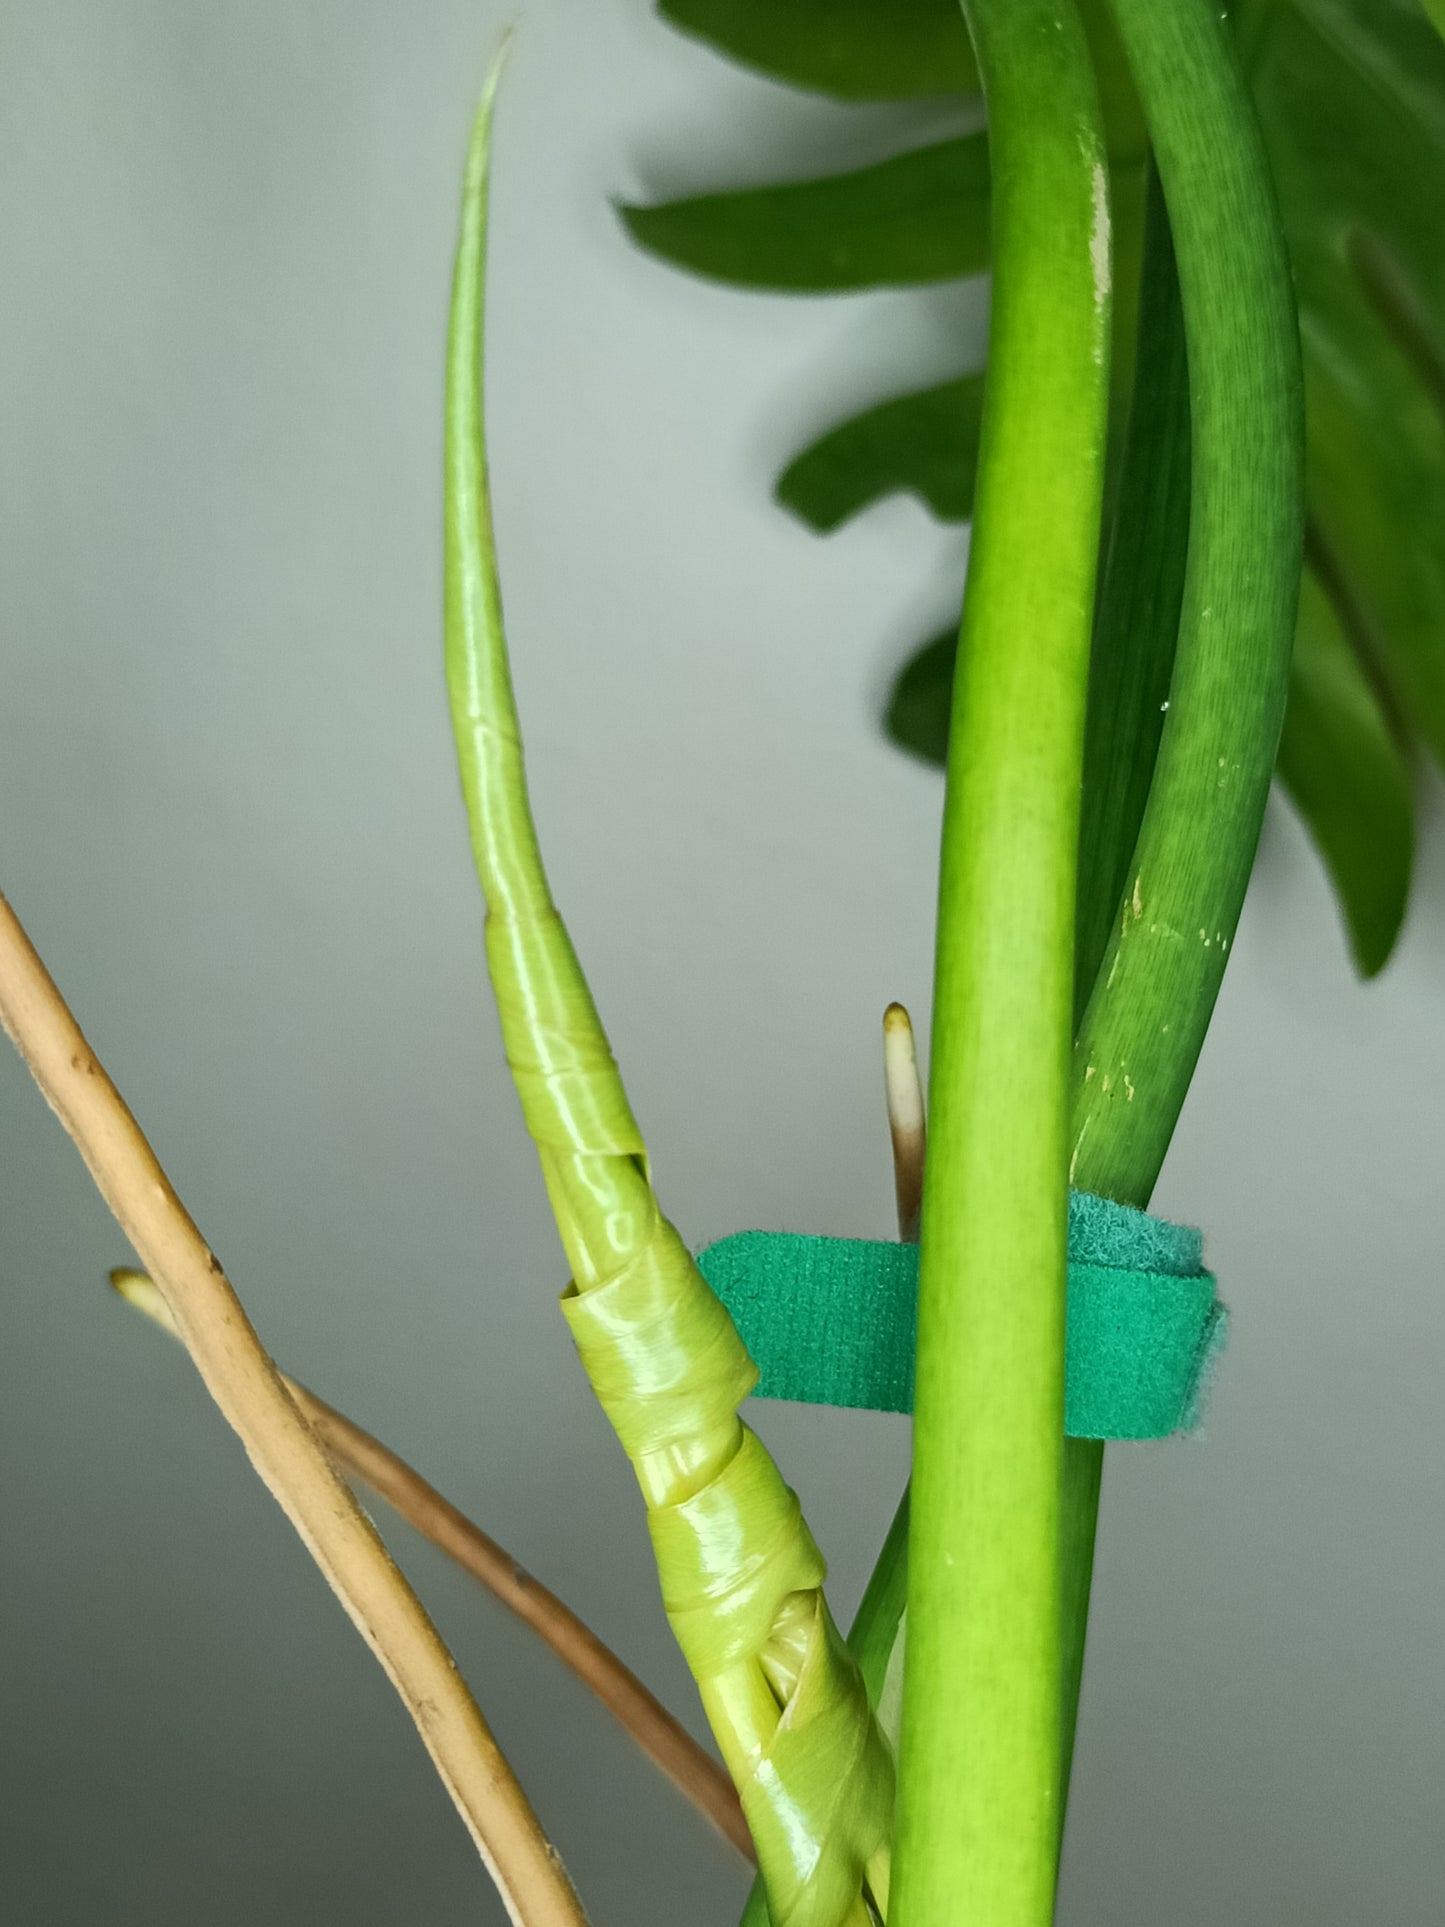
(228,815)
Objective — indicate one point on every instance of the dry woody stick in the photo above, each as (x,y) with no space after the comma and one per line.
(361,1456)
(281,1444)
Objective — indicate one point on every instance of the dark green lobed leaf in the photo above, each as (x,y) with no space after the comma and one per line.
(919,217)
(852,49)
(1353,103)
(1352,93)
(1349,780)
(917,714)
(926,442)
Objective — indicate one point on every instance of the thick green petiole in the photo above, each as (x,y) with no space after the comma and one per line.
(1137,622)
(1144,1025)
(979,1765)
(1135,639)
(1157,988)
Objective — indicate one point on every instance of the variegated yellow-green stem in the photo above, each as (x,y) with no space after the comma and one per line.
(741,1576)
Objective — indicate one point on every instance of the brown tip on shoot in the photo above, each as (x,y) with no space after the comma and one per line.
(904,1093)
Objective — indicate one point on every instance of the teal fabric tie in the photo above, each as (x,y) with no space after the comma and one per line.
(834,1321)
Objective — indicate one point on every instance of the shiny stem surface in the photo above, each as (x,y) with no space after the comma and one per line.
(979,1762)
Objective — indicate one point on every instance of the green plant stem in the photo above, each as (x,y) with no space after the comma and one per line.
(1151,1005)
(979,1756)
(1133,654)
(875,1624)
(1135,639)
(1145,1022)
(1230,673)
(1139,601)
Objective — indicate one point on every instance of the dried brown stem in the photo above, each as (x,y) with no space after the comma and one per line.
(661,1738)
(282,1445)
(364,1457)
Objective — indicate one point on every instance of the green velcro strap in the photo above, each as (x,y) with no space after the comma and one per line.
(834,1321)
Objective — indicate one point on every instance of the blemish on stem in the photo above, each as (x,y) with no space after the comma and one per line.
(1100,238)
(1078,1147)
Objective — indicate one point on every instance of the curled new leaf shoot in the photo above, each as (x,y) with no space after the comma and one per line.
(282,1447)
(741,1576)
(362,1457)
(874,1633)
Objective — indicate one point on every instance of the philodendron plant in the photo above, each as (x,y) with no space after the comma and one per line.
(1351,100)
(1122,671)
